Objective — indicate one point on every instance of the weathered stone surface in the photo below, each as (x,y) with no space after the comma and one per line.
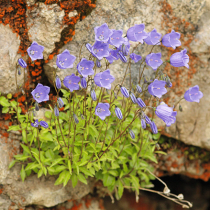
(190,128)
(45,24)
(9,45)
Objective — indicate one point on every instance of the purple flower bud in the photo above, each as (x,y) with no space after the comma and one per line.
(116,38)
(93,95)
(140,102)
(171,39)
(60,102)
(125,47)
(89,47)
(65,60)
(22,63)
(169,84)
(44,124)
(83,82)
(98,63)
(35,51)
(157,88)
(135,57)
(19,70)
(166,114)
(85,67)
(122,57)
(56,111)
(76,120)
(137,33)
(131,134)
(102,33)
(71,82)
(35,124)
(124,91)
(104,79)
(100,50)
(118,113)
(153,37)
(133,98)
(193,94)
(138,88)
(36,106)
(40,93)
(180,59)
(154,60)
(153,128)
(148,121)
(102,110)
(180,108)
(82,117)
(57,82)
(143,123)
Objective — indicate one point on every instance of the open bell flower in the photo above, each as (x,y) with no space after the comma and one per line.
(71,82)
(136,58)
(171,40)
(153,37)
(35,124)
(104,79)
(180,59)
(137,33)
(166,113)
(102,110)
(35,51)
(116,38)
(113,55)
(102,33)
(65,60)
(157,88)
(100,50)
(154,60)
(193,94)
(85,67)
(40,93)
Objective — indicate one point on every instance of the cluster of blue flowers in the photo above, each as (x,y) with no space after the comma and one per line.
(111,45)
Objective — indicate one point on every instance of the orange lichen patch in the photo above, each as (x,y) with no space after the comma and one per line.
(76,206)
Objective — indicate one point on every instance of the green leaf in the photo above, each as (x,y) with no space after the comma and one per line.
(25,148)
(60,179)
(108,180)
(66,178)
(4,101)
(45,136)
(120,189)
(69,167)
(14,128)
(21,157)
(85,171)
(12,163)
(74,180)
(82,178)
(24,136)
(5,110)
(56,162)
(23,173)
(40,173)
(13,104)
(93,131)
(59,168)
(48,114)
(161,152)
(32,165)
(113,172)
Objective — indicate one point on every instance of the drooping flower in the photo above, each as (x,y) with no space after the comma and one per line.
(153,128)
(135,57)
(100,50)
(193,94)
(57,82)
(71,82)
(76,120)
(83,82)
(166,113)
(102,33)
(153,37)
(171,40)
(116,38)
(133,98)
(22,63)
(89,47)
(93,95)
(113,55)
(154,60)
(102,110)
(65,60)
(56,111)
(157,88)
(143,123)
(132,135)
(180,59)
(85,67)
(137,33)
(98,63)
(118,113)
(35,51)
(140,102)
(104,79)
(125,47)
(60,102)
(35,124)
(124,91)
(40,93)
(138,88)
(44,124)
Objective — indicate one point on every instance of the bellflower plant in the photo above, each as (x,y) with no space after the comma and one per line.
(35,51)
(106,129)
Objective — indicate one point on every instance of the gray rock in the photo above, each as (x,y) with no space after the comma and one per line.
(9,45)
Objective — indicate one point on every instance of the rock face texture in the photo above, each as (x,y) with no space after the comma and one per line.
(9,45)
